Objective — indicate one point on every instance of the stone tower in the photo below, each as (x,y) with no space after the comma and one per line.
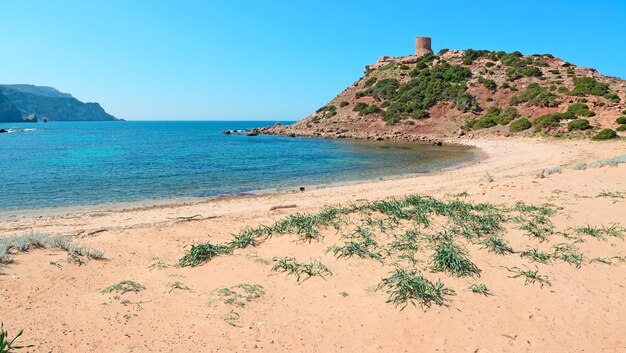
(422,46)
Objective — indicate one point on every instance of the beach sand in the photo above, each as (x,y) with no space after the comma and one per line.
(61,308)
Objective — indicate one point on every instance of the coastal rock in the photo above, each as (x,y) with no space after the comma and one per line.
(226,132)
(3,131)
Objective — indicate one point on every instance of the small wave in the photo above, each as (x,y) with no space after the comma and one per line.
(10,131)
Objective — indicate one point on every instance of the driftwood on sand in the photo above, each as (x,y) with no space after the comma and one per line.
(277,207)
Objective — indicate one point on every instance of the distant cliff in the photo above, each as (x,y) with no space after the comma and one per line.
(48,103)
(8,112)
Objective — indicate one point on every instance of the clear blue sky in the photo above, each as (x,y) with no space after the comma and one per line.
(252,60)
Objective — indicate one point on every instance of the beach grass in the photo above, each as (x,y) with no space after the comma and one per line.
(10,246)
(408,286)
(301,270)
(415,234)
(123,287)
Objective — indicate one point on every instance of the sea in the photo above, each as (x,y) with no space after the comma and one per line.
(68,164)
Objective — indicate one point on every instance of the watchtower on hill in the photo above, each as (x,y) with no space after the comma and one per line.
(422,46)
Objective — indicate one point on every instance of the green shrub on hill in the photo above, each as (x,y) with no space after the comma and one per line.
(370,81)
(536,95)
(605,134)
(384,89)
(365,109)
(588,85)
(490,84)
(580,109)
(486,121)
(578,124)
(513,73)
(359,106)
(613,97)
(621,120)
(495,116)
(563,90)
(547,121)
(520,125)
(470,55)
(621,128)
(428,86)
(343,104)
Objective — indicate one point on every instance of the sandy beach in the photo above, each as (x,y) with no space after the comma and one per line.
(61,306)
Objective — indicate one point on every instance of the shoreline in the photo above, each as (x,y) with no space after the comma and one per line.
(491,152)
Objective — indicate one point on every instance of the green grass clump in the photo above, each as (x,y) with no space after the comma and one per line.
(449,257)
(247,237)
(613,194)
(241,294)
(177,285)
(26,242)
(621,128)
(497,245)
(578,124)
(530,276)
(201,253)
(343,104)
(539,227)
(7,345)
(605,134)
(621,120)
(520,125)
(292,267)
(408,241)
(158,265)
(124,287)
(407,286)
(580,109)
(480,289)
(536,95)
(568,253)
(601,232)
(535,255)
(602,260)
(361,249)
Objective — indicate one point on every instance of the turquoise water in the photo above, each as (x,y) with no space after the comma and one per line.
(62,164)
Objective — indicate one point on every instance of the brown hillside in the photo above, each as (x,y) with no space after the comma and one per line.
(456,92)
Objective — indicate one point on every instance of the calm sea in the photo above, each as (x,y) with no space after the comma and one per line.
(88,163)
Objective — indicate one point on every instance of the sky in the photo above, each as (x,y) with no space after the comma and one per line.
(272,60)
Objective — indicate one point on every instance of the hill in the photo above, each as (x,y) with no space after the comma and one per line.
(37,102)
(8,112)
(38,90)
(469,93)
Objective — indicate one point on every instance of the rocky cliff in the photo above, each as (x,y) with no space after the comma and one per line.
(8,112)
(48,103)
(469,93)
